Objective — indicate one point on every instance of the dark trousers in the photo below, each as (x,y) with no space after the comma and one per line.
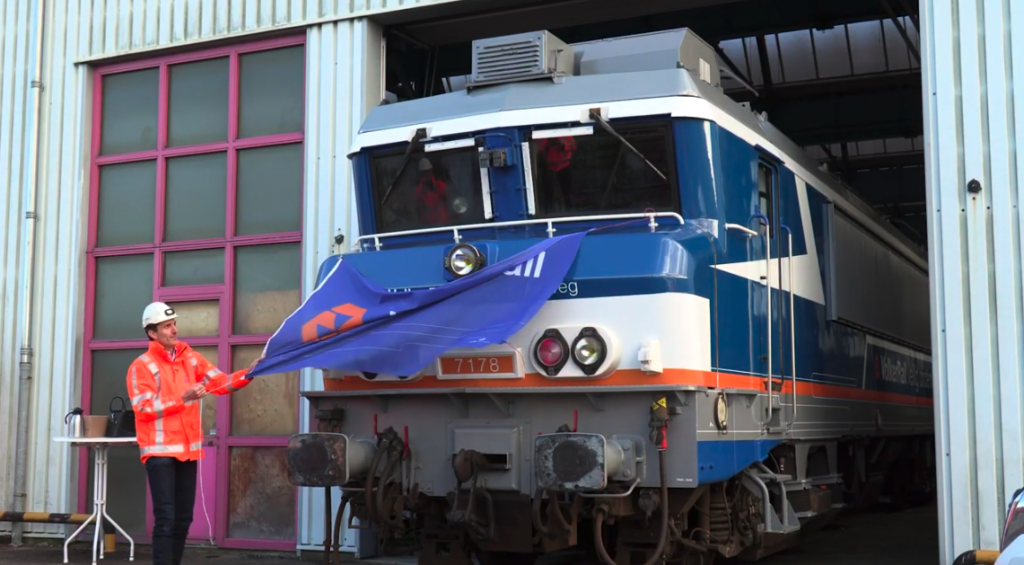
(172,485)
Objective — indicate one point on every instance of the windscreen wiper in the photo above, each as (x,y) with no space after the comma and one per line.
(596,116)
(419,135)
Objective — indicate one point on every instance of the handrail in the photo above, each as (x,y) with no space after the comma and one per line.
(768,285)
(743,229)
(792,323)
(766,511)
(550,223)
(768,295)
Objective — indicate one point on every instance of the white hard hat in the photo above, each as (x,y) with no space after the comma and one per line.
(156,313)
(425,165)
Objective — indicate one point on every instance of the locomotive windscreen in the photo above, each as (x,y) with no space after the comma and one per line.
(427,189)
(576,175)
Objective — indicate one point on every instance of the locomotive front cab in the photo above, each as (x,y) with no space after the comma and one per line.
(515,444)
(437,209)
(655,392)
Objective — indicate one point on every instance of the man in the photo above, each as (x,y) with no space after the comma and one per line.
(165,385)
(432,194)
(556,154)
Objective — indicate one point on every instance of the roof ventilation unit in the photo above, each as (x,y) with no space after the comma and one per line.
(672,49)
(520,57)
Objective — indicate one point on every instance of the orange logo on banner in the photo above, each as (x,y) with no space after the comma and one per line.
(329,321)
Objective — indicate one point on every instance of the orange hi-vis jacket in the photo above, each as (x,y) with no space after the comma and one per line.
(164,425)
(557,152)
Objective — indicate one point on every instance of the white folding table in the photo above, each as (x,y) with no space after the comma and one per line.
(99,445)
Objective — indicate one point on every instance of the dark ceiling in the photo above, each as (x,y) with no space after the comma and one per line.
(841,78)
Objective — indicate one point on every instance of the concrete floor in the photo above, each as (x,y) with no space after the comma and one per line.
(900,538)
(910,537)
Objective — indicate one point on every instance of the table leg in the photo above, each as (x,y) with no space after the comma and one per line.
(95,517)
(99,498)
(101,524)
(103,511)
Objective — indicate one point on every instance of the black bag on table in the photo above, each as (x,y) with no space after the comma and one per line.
(121,422)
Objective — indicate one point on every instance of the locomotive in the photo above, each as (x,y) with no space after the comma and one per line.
(740,351)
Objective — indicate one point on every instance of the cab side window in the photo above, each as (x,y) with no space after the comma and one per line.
(765,190)
(426,190)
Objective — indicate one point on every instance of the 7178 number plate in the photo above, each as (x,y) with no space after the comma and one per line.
(482,365)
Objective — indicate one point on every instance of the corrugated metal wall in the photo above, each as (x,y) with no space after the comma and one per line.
(344,74)
(974,131)
(16,118)
(120,26)
(59,259)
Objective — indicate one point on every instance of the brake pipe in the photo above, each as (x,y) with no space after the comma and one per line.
(600,511)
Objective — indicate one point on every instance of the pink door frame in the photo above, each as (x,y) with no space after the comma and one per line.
(216,461)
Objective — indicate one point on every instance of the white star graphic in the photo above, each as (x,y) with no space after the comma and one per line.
(808,284)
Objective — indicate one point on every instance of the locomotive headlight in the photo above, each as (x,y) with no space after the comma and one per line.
(586,350)
(589,351)
(464,259)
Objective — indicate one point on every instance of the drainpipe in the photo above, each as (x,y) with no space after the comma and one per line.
(27,272)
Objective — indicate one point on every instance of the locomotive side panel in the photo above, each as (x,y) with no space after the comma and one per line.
(848,382)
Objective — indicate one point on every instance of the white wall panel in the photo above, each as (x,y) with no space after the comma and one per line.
(15,125)
(124,26)
(343,82)
(63,131)
(974,131)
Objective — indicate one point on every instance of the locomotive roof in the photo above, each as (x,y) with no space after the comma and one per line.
(543,93)
(577,90)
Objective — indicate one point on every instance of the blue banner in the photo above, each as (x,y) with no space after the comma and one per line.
(349,323)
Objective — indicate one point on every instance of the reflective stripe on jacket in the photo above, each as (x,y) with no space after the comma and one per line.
(164,425)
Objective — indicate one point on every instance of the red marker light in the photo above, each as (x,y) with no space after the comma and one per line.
(550,352)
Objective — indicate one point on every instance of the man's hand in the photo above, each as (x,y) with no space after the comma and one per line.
(196,392)
(248,372)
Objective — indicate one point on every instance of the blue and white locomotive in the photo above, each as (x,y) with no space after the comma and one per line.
(742,351)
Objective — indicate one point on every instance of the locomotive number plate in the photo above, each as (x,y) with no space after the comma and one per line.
(498,365)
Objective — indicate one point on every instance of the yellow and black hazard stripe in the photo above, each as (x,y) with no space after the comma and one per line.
(43,517)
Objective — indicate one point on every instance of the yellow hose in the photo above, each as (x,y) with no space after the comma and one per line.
(977,557)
